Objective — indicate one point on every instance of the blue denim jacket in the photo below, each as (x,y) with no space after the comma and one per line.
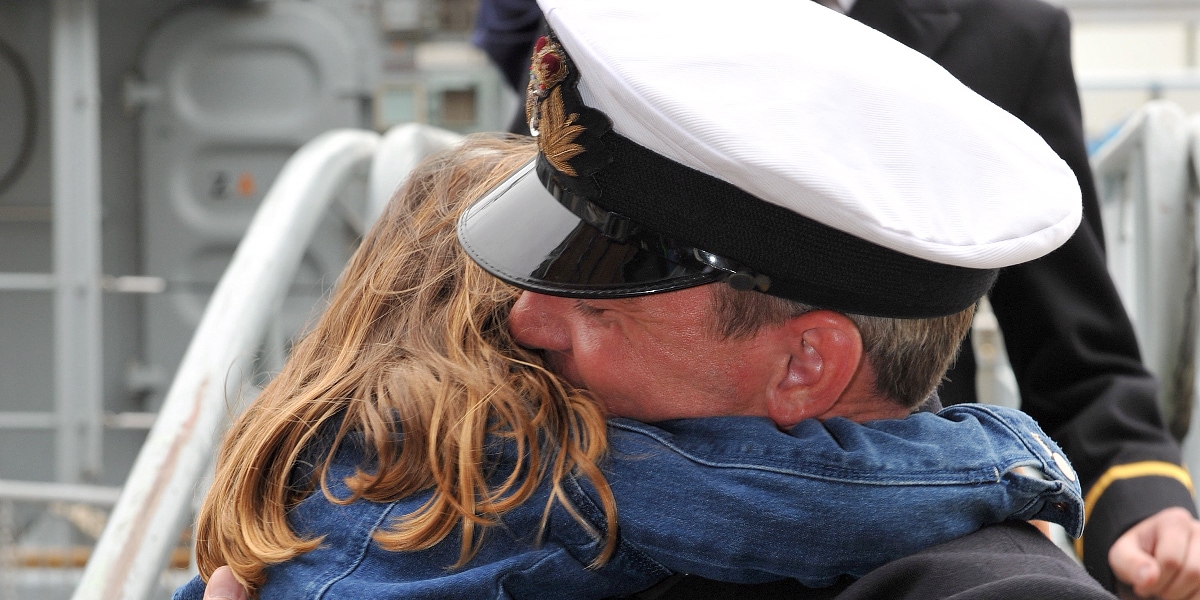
(728,498)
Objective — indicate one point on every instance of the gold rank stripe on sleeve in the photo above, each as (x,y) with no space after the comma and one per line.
(1149,468)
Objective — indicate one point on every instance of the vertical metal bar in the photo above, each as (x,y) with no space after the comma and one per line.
(8,551)
(75,148)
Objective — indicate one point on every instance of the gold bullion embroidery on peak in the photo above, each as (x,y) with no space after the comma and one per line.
(558,133)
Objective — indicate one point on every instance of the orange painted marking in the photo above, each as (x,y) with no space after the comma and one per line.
(245,184)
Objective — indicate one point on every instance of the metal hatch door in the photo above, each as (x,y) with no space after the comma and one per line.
(229,94)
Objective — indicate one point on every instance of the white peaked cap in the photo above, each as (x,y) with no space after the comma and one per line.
(869,137)
(773,144)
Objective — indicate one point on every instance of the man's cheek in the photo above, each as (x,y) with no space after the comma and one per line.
(564,367)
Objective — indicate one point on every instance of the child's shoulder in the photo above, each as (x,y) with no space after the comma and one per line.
(192,590)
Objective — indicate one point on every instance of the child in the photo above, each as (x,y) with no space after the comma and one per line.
(450,463)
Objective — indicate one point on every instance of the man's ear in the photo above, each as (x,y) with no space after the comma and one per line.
(826,350)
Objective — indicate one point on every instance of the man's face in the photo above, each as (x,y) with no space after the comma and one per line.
(649,358)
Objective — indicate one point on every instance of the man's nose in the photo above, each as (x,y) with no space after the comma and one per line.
(537,322)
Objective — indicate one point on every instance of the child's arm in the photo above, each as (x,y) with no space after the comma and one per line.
(735,499)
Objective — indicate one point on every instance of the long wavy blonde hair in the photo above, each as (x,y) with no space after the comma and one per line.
(415,342)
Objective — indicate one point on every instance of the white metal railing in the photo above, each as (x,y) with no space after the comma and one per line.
(157,497)
(1142,177)
(27,491)
(1187,413)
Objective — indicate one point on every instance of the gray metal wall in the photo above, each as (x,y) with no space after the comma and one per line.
(26,381)
(231,96)
(160,169)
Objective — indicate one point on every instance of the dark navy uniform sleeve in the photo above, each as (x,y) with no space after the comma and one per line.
(1068,337)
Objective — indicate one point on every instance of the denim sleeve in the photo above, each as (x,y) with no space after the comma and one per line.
(192,590)
(735,499)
